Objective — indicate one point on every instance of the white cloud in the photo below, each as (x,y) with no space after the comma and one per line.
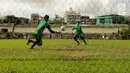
(51,7)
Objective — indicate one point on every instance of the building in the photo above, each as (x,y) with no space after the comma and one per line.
(71,16)
(85,20)
(110,19)
(92,21)
(34,20)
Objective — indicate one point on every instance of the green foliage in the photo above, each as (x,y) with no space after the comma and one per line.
(15,20)
(58,20)
(125,34)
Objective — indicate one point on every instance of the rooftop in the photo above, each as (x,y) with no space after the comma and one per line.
(71,12)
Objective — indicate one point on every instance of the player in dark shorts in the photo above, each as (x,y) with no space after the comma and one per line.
(78,33)
(39,32)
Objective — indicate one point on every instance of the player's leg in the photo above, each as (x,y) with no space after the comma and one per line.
(76,39)
(82,37)
(30,41)
(40,41)
(37,41)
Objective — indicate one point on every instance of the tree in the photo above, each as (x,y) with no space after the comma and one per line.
(15,20)
(57,19)
(5,20)
(10,18)
(56,16)
(125,34)
(1,20)
(26,21)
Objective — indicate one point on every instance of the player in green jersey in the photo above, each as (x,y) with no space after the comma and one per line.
(78,33)
(39,32)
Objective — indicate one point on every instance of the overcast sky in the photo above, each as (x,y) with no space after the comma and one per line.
(92,8)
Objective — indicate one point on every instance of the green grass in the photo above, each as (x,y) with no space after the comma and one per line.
(64,56)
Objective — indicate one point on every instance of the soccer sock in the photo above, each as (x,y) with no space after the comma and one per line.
(31,41)
(84,41)
(77,41)
(33,45)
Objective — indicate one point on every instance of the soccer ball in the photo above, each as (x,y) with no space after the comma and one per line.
(63,28)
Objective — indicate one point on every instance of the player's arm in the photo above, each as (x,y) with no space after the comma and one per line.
(49,28)
(81,29)
(73,28)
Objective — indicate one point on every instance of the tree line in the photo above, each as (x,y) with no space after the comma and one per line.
(14,19)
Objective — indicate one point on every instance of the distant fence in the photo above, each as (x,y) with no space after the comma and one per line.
(59,36)
(86,29)
(84,25)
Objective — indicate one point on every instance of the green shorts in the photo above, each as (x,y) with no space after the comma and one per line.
(81,36)
(38,39)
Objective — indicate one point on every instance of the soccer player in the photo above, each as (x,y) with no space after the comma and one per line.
(78,33)
(39,31)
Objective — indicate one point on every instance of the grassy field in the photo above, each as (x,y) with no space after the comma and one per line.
(64,56)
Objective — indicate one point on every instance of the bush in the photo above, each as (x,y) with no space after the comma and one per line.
(125,34)
(10,35)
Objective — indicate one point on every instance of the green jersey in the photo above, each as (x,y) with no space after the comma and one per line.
(78,29)
(41,27)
